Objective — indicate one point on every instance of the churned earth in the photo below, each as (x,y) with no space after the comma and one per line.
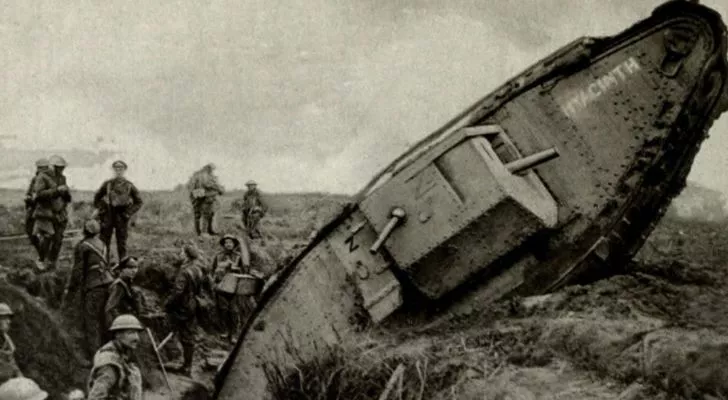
(657,331)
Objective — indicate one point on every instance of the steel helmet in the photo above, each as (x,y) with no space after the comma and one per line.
(5,310)
(76,394)
(250,182)
(22,389)
(42,162)
(57,161)
(125,322)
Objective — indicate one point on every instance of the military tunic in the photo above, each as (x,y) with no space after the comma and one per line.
(121,301)
(231,308)
(182,306)
(86,292)
(60,220)
(115,375)
(117,201)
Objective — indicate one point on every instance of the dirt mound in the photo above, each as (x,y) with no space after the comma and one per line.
(45,352)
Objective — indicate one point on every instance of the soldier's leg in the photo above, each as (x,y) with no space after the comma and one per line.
(223,311)
(121,225)
(210,221)
(43,231)
(198,214)
(29,222)
(107,228)
(59,229)
(187,338)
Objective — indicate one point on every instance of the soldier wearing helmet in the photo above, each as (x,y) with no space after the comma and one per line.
(117,201)
(182,305)
(50,214)
(204,190)
(8,367)
(41,165)
(253,209)
(22,389)
(233,259)
(122,299)
(86,291)
(115,373)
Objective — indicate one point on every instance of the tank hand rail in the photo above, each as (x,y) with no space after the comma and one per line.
(532,161)
(396,215)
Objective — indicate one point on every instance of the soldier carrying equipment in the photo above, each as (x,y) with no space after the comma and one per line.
(115,373)
(41,166)
(233,259)
(253,209)
(182,305)
(204,189)
(8,367)
(61,214)
(117,200)
(122,299)
(86,292)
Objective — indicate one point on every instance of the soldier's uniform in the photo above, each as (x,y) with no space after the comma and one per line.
(47,202)
(204,189)
(182,304)
(253,210)
(231,308)
(60,217)
(121,300)
(115,374)
(8,367)
(117,201)
(87,287)
(41,165)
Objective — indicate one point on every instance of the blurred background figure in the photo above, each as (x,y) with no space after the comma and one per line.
(253,209)
(204,189)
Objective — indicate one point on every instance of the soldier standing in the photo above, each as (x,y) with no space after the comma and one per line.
(49,206)
(40,166)
(8,367)
(122,299)
(253,209)
(182,304)
(235,259)
(86,291)
(115,373)
(117,201)
(60,220)
(204,189)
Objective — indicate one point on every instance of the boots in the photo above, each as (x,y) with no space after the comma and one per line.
(188,353)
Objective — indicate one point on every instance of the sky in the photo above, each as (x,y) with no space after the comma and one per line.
(300,95)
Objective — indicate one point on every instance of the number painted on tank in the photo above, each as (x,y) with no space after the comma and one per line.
(350,242)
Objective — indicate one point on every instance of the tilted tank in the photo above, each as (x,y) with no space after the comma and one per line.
(560,173)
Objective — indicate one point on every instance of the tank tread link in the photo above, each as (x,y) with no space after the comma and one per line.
(558,175)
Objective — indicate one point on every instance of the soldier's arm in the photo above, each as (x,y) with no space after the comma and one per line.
(103,381)
(112,303)
(43,190)
(137,200)
(99,196)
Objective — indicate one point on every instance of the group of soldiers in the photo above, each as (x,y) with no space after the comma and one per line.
(99,295)
(204,190)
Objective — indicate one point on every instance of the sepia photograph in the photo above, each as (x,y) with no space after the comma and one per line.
(364,200)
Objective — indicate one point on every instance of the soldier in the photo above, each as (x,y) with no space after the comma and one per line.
(253,209)
(60,217)
(40,166)
(8,367)
(122,300)
(115,373)
(48,202)
(22,389)
(233,258)
(204,189)
(117,201)
(182,304)
(86,291)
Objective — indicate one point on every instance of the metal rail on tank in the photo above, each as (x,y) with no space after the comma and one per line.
(559,174)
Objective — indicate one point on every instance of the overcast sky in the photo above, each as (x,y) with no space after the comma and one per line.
(297,94)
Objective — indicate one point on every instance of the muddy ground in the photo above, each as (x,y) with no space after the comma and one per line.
(658,331)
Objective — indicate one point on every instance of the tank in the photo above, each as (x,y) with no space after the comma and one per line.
(558,175)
